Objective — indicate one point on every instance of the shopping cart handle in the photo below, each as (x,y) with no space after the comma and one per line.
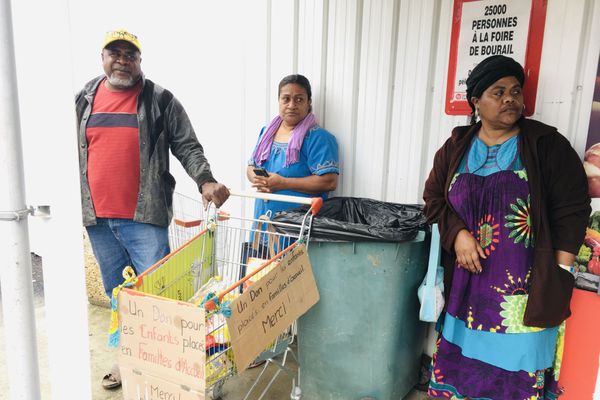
(314,202)
(187,224)
(210,305)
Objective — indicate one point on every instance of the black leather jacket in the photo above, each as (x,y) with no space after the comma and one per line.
(163,125)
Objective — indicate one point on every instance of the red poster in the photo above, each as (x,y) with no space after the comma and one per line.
(482,28)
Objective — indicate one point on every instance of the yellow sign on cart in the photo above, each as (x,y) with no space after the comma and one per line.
(269,306)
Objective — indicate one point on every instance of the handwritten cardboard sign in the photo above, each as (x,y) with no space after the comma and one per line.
(142,386)
(163,338)
(269,306)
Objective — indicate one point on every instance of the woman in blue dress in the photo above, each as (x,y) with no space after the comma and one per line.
(301,158)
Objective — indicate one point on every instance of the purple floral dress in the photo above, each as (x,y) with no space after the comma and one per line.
(484,351)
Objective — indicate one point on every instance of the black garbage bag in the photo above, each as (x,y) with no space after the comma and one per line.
(358,220)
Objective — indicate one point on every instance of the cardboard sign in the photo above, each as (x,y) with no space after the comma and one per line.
(163,338)
(270,306)
(141,386)
(254,263)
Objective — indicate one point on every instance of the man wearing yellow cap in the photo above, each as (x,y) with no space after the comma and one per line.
(126,126)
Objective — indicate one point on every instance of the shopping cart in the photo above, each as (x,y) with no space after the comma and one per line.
(228,254)
(188,215)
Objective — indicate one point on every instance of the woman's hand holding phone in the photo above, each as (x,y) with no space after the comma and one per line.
(267,182)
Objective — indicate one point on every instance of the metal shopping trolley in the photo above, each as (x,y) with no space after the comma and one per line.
(188,218)
(215,266)
(249,248)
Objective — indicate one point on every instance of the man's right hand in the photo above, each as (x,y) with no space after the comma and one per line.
(468,251)
(215,192)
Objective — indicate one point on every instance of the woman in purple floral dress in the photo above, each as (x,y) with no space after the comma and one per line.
(510,197)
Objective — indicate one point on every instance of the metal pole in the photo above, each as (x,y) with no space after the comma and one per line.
(15,258)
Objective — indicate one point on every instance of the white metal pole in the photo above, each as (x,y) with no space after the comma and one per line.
(51,164)
(15,258)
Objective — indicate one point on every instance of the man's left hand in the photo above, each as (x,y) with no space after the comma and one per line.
(215,192)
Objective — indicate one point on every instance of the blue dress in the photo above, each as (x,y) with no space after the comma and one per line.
(318,156)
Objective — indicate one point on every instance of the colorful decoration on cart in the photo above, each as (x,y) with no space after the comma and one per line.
(130,280)
(222,308)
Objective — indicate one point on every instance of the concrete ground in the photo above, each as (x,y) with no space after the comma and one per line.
(235,388)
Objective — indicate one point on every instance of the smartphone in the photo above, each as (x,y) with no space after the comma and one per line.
(261,172)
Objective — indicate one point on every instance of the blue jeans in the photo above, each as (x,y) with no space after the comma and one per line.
(118,243)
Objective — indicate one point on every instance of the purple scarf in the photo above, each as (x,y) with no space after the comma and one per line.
(263,150)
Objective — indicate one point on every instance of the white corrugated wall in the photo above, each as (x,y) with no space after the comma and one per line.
(379,69)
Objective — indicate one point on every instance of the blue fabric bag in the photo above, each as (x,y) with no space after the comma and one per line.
(431,291)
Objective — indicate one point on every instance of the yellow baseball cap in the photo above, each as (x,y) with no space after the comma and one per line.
(121,34)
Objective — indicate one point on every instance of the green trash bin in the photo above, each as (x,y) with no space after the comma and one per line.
(363,338)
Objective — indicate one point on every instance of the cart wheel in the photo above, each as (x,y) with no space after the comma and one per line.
(296,393)
(217,391)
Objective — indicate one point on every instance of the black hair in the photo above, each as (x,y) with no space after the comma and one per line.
(298,80)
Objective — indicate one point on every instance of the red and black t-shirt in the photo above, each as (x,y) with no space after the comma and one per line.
(114,152)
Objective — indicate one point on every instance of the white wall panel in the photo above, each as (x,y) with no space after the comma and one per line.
(438,124)
(415,56)
(255,89)
(378,70)
(379,74)
(559,63)
(374,101)
(256,97)
(341,83)
(283,44)
(312,48)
